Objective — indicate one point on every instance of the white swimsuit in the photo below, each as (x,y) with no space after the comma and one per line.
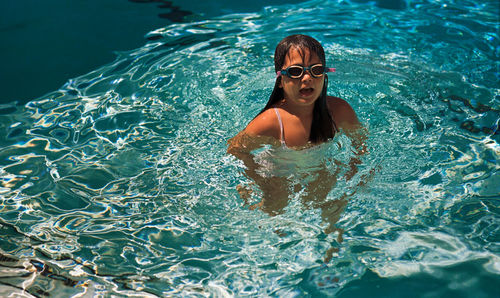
(287,162)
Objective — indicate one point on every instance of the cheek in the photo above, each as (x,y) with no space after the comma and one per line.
(286,84)
(320,85)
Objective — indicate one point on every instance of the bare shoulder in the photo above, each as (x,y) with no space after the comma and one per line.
(263,129)
(342,113)
(265,124)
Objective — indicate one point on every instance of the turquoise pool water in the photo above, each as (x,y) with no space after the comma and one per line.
(119,182)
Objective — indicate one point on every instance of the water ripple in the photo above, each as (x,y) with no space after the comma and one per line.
(119,182)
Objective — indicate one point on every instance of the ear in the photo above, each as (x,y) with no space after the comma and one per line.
(280,83)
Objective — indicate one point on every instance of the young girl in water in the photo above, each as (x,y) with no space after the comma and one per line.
(299,112)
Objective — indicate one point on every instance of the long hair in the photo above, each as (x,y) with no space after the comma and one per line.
(323,127)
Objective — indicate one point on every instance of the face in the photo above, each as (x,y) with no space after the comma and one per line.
(305,90)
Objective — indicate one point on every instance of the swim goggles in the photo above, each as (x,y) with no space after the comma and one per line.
(297,71)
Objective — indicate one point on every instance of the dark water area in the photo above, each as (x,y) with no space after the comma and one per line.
(45,43)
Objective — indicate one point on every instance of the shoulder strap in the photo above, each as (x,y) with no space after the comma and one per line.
(282,130)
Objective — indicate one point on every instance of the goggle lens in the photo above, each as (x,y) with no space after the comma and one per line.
(297,71)
(317,70)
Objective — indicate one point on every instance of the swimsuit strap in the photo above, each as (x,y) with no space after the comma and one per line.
(282,129)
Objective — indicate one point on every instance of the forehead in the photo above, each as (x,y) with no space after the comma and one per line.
(299,56)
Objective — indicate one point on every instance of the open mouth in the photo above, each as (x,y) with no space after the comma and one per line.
(306,91)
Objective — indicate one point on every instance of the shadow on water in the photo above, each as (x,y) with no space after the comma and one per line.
(52,41)
(49,42)
(176,14)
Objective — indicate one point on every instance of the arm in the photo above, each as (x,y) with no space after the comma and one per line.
(264,129)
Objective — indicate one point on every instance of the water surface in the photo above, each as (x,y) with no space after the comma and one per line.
(119,182)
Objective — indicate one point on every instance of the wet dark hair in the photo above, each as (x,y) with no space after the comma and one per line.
(323,127)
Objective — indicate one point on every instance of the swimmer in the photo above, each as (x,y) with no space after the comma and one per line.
(299,115)
(299,112)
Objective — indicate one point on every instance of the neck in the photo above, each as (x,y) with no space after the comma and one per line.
(300,111)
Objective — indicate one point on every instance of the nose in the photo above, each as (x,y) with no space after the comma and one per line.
(307,75)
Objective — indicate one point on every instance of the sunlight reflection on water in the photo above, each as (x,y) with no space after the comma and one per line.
(120,182)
